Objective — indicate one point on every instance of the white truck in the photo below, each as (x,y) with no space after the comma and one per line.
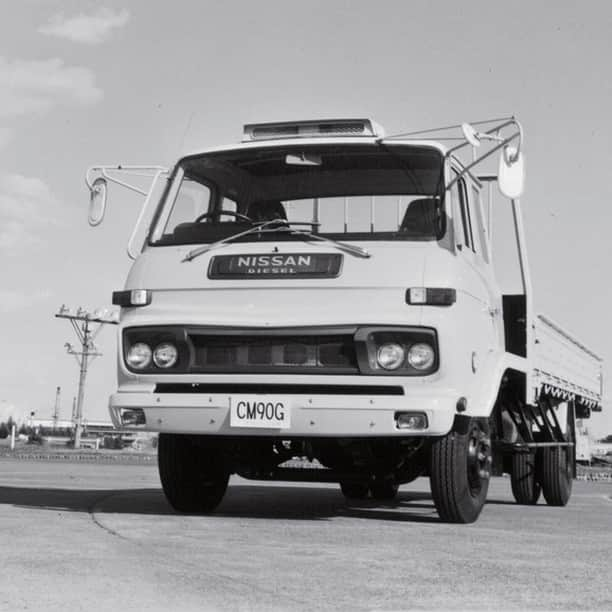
(325,292)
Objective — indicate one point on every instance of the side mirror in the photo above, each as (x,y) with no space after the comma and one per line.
(97,201)
(511,174)
(470,134)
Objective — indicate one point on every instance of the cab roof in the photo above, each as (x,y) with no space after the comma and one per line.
(315,132)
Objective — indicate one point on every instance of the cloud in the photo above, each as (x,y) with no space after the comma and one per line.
(88,29)
(36,86)
(26,206)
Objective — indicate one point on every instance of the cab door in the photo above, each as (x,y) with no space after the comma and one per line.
(483,313)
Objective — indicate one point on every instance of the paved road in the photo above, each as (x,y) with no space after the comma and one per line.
(99,537)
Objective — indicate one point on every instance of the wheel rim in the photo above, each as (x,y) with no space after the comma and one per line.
(479,460)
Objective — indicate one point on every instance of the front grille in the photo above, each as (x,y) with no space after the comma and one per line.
(289,389)
(332,354)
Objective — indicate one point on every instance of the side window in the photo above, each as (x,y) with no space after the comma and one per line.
(458,195)
(192,200)
(466,212)
(480,223)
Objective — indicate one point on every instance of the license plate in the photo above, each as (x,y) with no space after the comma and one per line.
(265,411)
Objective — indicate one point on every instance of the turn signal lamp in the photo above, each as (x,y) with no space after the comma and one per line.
(430,296)
(132,297)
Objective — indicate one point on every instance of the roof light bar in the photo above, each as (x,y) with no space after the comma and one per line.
(312,129)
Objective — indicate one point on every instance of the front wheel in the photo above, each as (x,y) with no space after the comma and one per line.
(194,478)
(460,471)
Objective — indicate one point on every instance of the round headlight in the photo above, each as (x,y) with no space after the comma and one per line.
(390,355)
(165,355)
(421,356)
(139,356)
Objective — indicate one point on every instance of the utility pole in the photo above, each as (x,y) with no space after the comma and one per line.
(56,410)
(86,326)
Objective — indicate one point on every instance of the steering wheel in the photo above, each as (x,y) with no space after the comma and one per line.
(230,213)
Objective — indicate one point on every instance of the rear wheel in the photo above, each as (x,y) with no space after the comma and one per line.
(557,465)
(556,474)
(194,478)
(384,490)
(354,490)
(460,471)
(525,485)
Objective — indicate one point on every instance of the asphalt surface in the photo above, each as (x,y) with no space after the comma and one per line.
(100,537)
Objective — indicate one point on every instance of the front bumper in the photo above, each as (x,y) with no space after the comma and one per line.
(311,415)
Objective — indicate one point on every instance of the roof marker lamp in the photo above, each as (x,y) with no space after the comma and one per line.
(139,356)
(132,297)
(430,296)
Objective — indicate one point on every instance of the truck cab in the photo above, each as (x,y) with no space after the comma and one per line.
(323,293)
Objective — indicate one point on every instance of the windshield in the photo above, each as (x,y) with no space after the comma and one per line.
(348,192)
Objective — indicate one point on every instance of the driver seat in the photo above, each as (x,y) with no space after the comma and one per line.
(420,217)
(267,210)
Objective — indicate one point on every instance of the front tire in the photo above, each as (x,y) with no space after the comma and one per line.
(460,471)
(194,478)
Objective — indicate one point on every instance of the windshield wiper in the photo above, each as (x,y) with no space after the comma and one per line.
(341,246)
(279,226)
(213,245)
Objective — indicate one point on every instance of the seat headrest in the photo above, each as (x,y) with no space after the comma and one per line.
(420,217)
(266,211)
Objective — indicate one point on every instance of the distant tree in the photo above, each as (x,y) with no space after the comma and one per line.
(4,431)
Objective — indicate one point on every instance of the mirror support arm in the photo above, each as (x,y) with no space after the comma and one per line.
(134,170)
(132,253)
(521,244)
(490,152)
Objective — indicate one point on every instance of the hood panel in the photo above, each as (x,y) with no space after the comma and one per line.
(390,265)
(366,291)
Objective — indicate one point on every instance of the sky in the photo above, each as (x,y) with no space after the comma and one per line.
(137,82)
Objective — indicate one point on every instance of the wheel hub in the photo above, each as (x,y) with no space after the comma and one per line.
(479,459)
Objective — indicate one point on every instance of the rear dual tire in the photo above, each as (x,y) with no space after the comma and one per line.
(556,474)
(383,491)
(524,479)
